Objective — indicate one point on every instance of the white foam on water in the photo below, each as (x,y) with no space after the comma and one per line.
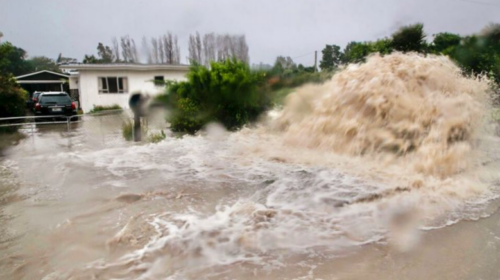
(383,150)
(305,209)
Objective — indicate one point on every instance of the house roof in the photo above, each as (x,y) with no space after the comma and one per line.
(125,66)
(41,72)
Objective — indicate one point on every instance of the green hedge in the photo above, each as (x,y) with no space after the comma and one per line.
(12,100)
(99,108)
(228,93)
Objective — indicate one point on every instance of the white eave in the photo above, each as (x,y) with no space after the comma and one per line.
(41,82)
(43,71)
(125,67)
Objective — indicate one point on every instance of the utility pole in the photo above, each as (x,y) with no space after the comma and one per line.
(315,61)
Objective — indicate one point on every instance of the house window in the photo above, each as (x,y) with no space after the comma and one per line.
(159,81)
(113,84)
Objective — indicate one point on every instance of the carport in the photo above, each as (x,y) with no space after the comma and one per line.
(44,81)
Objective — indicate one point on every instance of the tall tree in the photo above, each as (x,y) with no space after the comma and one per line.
(63,60)
(90,59)
(332,58)
(105,53)
(445,42)
(169,49)
(479,55)
(209,48)
(283,66)
(13,60)
(155,57)
(241,49)
(39,63)
(382,46)
(352,53)
(129,50)
(284,62)
(161,51)
(491,32)
(195,49)
(116,50)
(147,50)
(410,38)
(217,47)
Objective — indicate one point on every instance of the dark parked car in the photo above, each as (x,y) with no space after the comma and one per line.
(33,100)
(55,104)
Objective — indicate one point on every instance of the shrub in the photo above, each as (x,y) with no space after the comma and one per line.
(99,108)
(12,99)
(153,137)
(128,130)
(187,117)
(161,100)
(280,95)
(229,93)
(157,137)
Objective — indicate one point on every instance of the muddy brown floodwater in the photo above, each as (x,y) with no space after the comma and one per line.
(91,206)
(407,196)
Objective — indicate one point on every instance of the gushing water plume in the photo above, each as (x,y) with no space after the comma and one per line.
(382,151)
(420,109)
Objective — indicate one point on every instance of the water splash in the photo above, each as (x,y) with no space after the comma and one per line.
(376,154)
(418,109)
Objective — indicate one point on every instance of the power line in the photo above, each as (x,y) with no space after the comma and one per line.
(303,55)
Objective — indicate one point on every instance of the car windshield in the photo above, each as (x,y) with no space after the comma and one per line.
(55,99)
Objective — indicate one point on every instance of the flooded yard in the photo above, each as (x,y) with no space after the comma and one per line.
(89,205)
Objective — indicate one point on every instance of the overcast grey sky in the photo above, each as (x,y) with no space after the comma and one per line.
(272,27)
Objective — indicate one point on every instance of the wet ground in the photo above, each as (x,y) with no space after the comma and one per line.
(89,205)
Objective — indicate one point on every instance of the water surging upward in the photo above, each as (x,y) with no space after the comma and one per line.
(413,112)
(377,153)
(417,108)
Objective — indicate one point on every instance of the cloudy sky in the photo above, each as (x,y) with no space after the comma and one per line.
(273,27)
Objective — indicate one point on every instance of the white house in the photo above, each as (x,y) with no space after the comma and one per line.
(109,84)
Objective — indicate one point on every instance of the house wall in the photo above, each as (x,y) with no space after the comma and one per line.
(73,82)
(138,81)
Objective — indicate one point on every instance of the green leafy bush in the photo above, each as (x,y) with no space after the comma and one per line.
(444,43)
(99,108)
(12,97)
(187,116)
(228,93)
(12,100)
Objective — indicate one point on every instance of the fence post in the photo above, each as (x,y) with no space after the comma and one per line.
(32,134)
(137,126)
